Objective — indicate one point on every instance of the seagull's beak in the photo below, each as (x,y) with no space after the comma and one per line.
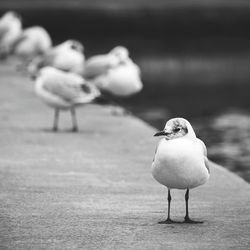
(165,132)
(162,133)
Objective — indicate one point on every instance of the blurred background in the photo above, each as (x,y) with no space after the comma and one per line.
(194,56)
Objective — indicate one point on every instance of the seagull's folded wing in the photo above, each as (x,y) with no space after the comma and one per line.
(207,164)
(203,146)
(98,65)
(19,41)
(155,152)
(69,87)
(205,154)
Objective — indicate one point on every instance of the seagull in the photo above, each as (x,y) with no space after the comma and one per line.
(100,64)
(180,161)
(25,43)
(10,31)
(64,91)
(67,56)
(114,73)
(32,42)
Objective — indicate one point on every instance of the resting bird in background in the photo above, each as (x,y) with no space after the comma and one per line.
(32,42)
(114,73)
(10,31)
(100,64)
(180,160)
(26,43)
(67,56)
(64,91)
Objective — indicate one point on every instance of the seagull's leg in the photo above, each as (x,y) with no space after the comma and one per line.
(187,219)
(169,202)
(74,121)
(56,118)
(168,220)
(186,199)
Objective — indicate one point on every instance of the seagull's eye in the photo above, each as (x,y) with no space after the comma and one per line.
(73,46)
(176,130)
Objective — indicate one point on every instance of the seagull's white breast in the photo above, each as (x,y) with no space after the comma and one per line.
(180,163)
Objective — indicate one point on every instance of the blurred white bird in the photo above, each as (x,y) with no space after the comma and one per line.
(10,31)
(67,56)
(100,64)
(32,42)
(25,43)
(114,73)
(64,91)
(180,160)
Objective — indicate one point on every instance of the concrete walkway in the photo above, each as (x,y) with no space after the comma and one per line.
(94,190)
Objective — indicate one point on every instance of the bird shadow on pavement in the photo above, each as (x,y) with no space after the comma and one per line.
(67,131)
(176,222)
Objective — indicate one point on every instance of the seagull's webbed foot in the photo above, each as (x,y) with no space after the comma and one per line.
(188,220)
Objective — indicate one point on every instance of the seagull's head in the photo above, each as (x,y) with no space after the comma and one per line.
(10,17)
(76,45)
(120,52)
(15,15)
(176,128)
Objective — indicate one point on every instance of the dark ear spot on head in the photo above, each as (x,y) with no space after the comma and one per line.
(73,46)
(66,70)
(85,88)
(176,130)
(185,129)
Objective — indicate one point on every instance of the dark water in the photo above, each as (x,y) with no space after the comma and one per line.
(195,64)
(225,129)
(218,107)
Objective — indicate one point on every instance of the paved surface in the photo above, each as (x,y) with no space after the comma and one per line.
(94,190)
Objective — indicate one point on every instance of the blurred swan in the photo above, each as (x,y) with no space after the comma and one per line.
(114,73)
(32,42)
(67,56)
(64,91)
(10,31)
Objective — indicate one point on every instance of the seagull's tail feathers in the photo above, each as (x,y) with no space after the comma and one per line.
(88,94)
